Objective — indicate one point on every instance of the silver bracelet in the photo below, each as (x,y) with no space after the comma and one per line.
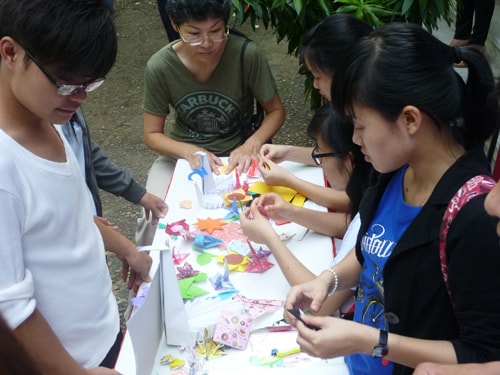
(335,283)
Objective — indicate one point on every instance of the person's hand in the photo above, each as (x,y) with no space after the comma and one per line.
(102,371)
(241,157)
(195,160)
(276,153)
(307,296)
(135,269)
(334,337)
(107,223)
(256,226)
(154,205)
(273,206)
(428,368)
(273,174)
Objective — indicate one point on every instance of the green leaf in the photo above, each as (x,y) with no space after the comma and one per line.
(407,4)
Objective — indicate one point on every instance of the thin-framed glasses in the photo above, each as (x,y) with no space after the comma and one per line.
(318,157)
(62,88)
(196,40)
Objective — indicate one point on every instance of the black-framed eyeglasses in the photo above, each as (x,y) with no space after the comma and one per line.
(196,40)
(318,157)
(62,88)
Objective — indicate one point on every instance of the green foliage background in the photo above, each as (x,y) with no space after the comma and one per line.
(290,19)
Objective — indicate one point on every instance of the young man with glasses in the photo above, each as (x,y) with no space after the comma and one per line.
(55,289)
(199,78)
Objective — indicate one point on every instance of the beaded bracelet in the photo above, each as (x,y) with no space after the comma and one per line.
(336,281)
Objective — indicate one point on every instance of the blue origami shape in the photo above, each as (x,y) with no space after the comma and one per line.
(221,281)
(204,241)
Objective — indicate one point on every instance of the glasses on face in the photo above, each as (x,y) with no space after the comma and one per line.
(62,88)
(318,157)
(198,38)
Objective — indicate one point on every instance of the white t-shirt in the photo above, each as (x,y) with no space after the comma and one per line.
(346,245)
(52,253)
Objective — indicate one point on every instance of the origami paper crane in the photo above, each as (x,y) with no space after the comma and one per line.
(221,281)
(258,265)
(171,361)
(138,300)
(261,253)
(234,213)
(177,256)
(208,348)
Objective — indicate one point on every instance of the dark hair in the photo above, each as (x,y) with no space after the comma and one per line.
(336,131)
(401,64)
(325,43)
(181,11)
(76,38)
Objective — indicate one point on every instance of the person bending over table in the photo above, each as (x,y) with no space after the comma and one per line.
(322,48)
(404,314)
(199,77)
(346,170)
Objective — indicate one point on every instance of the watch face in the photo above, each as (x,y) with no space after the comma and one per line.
(380,351)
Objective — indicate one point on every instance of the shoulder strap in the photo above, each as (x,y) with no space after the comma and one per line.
(242,65)
(474,187)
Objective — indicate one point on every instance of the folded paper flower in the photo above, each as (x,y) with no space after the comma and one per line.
(185,271)
(235,262)
(209,224)
(177,228)
(240,196)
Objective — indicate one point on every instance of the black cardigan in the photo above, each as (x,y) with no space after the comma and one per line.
(416,301)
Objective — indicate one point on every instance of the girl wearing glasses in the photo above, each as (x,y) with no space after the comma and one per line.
(322,48)
(346,170)
(423,128)
(198,78)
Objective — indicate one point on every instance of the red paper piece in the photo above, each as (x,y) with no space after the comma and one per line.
(177,228)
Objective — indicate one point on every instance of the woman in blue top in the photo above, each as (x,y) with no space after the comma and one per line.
(423,129)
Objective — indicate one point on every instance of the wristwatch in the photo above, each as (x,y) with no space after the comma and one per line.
(381,350)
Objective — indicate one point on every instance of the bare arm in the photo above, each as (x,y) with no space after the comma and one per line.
(138,263)
(328,223)
(279,153)
(258,229)
(46,350)
(274,174)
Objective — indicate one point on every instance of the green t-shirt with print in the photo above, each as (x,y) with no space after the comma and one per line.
(207,113)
